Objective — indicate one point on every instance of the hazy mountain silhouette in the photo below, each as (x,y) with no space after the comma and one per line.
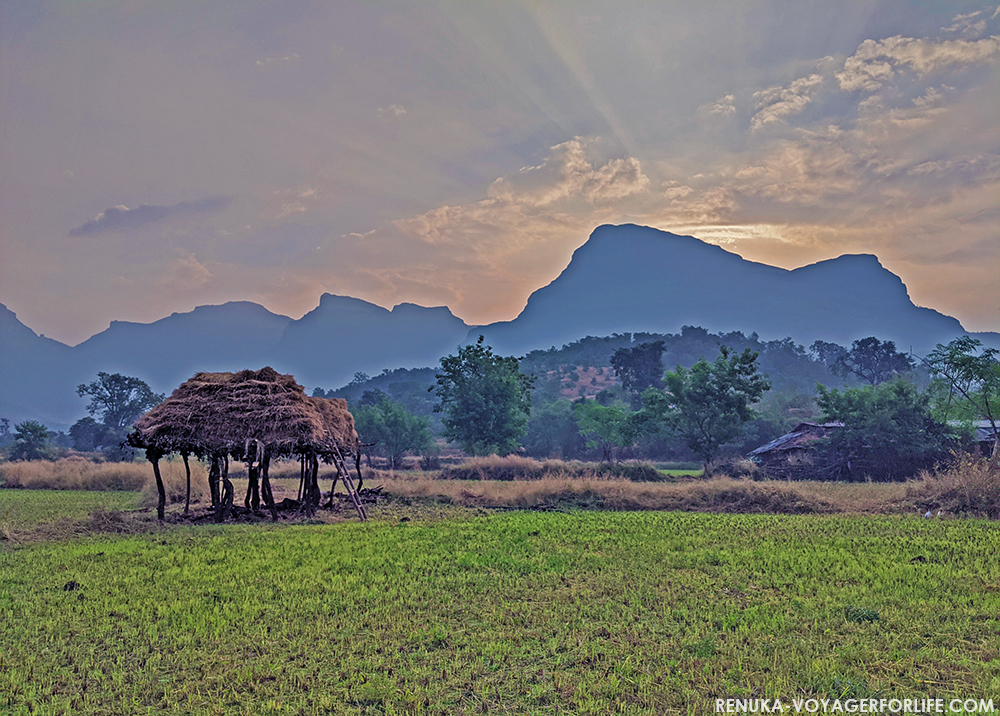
(624,279)
(638,279)
(169,351)
(344,335)
(33,378)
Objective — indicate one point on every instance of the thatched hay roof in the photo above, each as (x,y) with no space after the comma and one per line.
(220,412)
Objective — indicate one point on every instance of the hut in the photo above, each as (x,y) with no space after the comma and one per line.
(795,455)
(255,417)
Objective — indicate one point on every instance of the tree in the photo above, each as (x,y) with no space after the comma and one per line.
(5,434)
(888,431)
(118,399)
(394,430)
(607,426)
(486,400)
(640,367)
(708,405)
(873,361)
(830,354)
(31,441)
(968,376)
(552,431)
(89,435)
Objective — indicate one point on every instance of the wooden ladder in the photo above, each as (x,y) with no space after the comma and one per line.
(338,461)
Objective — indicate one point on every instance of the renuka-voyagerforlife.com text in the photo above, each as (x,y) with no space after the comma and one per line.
(894,706)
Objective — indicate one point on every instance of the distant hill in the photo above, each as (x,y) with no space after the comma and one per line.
(625,279)
(34,383)
(638,279)
(326,347)
(169,351)
(345,335)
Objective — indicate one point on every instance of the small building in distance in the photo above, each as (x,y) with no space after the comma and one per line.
(794,456)
(984,436)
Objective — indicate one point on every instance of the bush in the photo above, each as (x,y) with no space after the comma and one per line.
(736,467)
(967,488)
(632,471)
(525,468)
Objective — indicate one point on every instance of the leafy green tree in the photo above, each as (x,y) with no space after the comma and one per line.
(640,367)
(486,400)
(967,379)
(708,405)
(873,361)
(392,428)
(118,399)
(830,354)
(89,435)
(31,441)
(552,431)
(888,432)
(607,427)
(5,434)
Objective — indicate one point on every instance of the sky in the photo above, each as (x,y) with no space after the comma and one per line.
(156,156)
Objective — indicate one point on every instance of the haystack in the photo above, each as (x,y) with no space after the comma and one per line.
(253,416)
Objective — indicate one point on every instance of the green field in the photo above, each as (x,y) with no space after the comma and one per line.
(453,611)
(21,509)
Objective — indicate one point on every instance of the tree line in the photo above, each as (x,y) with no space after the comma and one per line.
(899,414)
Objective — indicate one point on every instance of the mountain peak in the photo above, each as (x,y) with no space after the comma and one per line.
(633,278)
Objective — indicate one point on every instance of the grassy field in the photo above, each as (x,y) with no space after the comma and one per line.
(455,610)
(22,512)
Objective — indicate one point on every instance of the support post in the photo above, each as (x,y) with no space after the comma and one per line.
(266,485)
(187,471)
(213,480)
(161,495)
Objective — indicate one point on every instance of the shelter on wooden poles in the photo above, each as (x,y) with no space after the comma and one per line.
(795,454)
(253,416)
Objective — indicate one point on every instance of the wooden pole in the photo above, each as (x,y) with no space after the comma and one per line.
(333,487)
(226,503)
(266,485)
(213,480)
(302,477)
(161,495)
(187,471)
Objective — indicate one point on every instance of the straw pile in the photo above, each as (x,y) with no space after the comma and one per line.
(217,413)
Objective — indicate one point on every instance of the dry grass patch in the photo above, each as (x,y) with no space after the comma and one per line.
(512,468)
(83,474)
(967,489)
(75,474)
(715,495)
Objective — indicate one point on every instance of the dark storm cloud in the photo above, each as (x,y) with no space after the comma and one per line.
(121,217)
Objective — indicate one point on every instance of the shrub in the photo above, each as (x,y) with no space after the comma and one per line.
(968,487)
(525,468)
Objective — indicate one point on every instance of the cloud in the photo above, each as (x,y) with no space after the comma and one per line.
(675,190)
(971,24)
(484,257)
(876,62)
(272,60)
(725,106)
(121,217)
(184,275)
(394,109)
(567,173)
(777,103)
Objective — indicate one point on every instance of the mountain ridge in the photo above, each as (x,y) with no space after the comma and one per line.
(625,278)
